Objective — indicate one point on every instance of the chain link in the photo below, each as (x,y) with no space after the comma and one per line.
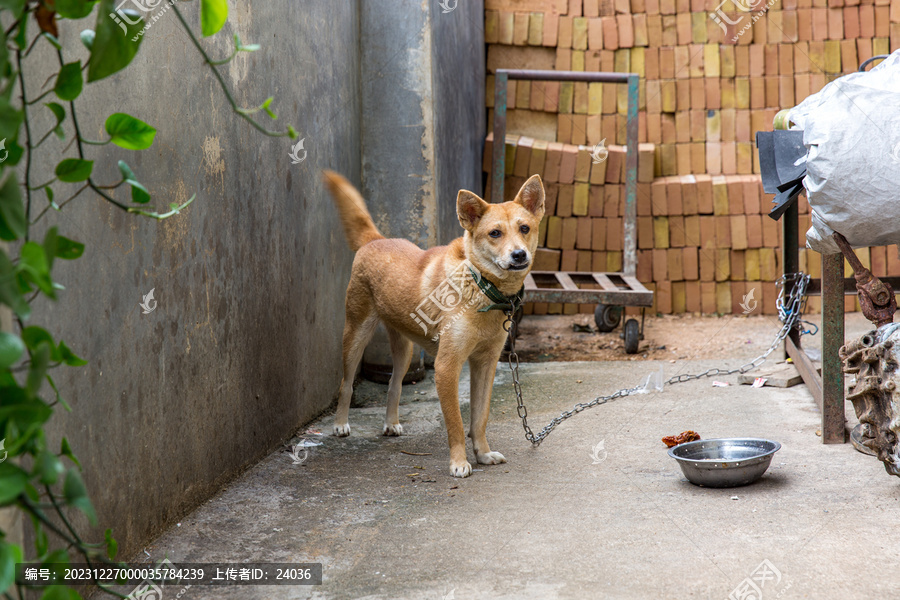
(790,305)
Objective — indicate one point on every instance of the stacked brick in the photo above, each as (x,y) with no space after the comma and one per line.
(711,76)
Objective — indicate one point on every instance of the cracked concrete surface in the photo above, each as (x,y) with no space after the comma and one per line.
(561,521)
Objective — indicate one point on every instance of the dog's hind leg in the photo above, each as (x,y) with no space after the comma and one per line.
(358,330)
(401,354)
(482,367)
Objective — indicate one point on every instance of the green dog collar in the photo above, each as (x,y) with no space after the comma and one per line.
(500,301)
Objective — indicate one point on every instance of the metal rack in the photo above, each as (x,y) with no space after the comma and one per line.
(827,388)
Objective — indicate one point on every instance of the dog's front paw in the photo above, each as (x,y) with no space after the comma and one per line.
(463,469)
(392,430)
(342,430)
(490,458)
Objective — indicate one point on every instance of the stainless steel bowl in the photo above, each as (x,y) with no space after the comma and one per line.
(727,462)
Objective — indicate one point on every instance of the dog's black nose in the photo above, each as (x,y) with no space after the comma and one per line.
(519,256)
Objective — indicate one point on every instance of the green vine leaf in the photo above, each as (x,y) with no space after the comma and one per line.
(66,450)
(67,249)
(59,246)
(139,194)
(60,113)
(125,170)
(112,546)
(21,37)
(32,492)
(10,295)
(72,170)
(35,268)
(76,495)
(15,153)
(52,39)
(115,43)
(34,337)
(50,242)
(75,9)
(12,482)
(13,223)
(11,119)
(265,107)
(23,419)
(11,349)
(41,541)
(213,14)
(68,357)
(40,360)
(16,6)
(127,132)
(49,191)
(59,397)
(59,557)
(69,82)
(48,468)
(10,554)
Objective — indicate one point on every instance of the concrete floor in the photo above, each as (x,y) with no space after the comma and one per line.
(570,519)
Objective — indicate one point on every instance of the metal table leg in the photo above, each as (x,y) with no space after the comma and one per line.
(827,389)
(832,340)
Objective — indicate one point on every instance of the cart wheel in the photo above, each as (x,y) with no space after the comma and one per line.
(607,317)
(632,336)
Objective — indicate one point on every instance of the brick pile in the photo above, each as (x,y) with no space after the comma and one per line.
(704,240)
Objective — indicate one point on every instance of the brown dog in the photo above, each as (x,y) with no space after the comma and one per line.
(432,298)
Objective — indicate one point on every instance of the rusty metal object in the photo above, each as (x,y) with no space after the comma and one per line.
(875,297)
(832,340)
(873,361)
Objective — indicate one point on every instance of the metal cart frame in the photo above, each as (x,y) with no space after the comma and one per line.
(619,289)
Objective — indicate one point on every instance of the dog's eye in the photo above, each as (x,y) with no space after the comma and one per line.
(495,233)
(524,228)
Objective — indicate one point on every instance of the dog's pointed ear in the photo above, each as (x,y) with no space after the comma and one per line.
(531,196)
(469,209)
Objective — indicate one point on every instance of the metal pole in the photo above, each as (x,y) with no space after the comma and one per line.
(498,171)
(631,169)
(790,253)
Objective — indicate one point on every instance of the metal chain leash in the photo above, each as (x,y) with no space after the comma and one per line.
(790,307)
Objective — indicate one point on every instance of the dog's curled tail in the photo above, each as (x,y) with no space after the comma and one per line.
(358,225)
